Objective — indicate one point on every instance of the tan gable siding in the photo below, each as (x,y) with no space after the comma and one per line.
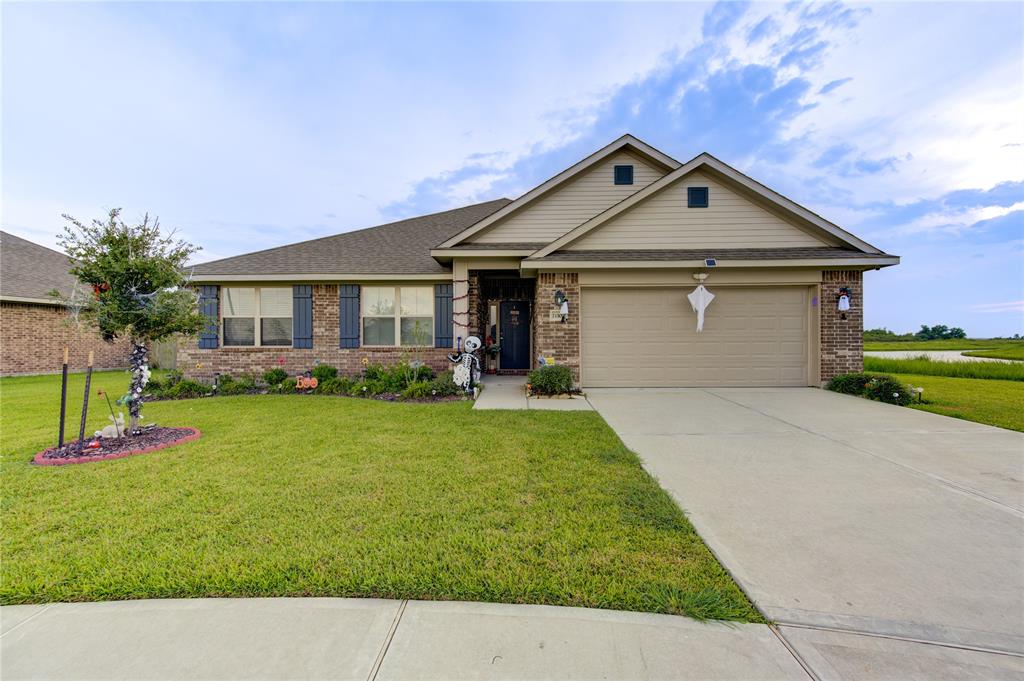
(572,204)
(664,221)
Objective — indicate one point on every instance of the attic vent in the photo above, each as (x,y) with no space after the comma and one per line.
(696,197)
(623,174)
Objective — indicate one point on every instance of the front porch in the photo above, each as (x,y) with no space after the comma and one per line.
(500,309)
(509,392)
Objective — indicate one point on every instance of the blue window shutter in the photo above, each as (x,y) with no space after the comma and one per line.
(302,316)
(443,316)
(348,315)
(209,307)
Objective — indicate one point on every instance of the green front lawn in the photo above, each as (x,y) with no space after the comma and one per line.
(997,403)
(288,495)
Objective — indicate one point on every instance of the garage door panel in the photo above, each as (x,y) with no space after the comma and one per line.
(647,337)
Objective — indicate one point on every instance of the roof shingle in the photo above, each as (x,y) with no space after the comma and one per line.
(401,247)
(30,271)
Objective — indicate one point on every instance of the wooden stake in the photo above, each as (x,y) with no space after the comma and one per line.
(85,403)
(63,398)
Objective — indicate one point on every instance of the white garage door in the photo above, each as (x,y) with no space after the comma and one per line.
(646,337)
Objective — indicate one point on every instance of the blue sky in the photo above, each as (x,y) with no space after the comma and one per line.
(248,126)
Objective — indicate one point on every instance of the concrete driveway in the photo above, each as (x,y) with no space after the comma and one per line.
(860,527)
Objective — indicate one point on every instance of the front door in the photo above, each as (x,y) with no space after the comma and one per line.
(515,334)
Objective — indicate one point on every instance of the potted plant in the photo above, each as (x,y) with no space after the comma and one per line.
(491,350)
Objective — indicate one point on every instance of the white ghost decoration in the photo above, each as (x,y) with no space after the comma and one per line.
(700,298)
(844,302)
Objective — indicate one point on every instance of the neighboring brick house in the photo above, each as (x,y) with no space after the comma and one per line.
(34,328)
(622,236)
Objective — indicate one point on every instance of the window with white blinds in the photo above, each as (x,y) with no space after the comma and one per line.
(257,316)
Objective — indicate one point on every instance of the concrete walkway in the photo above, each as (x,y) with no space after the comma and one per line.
(367,639)
(863,529)
(509,392)
(937,355)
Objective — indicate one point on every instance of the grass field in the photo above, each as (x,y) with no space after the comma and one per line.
(288,495)
(1015,353)
(962,344)
(931,367)
(997,403)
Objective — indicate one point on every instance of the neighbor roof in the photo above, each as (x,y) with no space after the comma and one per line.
(401,247)
(28,271)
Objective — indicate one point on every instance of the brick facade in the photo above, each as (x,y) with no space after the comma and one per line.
(203,364)
(33,338)
(477,310)
(552,337)
(842,339)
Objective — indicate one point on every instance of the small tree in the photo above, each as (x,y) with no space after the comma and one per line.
(137,279)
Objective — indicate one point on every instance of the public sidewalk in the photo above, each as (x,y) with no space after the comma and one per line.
(367,639)
(509,392)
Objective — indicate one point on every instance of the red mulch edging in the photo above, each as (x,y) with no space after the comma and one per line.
(41,459)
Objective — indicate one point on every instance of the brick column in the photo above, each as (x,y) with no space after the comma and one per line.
(473,306)
(550,336)
(842,340)
(326,333)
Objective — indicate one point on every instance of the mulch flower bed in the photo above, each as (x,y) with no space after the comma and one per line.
(149,440)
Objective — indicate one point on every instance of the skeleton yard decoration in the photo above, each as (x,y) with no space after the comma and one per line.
(466,374)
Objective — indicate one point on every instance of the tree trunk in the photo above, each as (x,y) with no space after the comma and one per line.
(140,376)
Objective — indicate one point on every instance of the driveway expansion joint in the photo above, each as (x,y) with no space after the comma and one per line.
(28,619)
(793,651)
(375,669)
(896,637)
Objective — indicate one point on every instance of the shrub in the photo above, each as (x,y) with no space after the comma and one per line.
(228,385)
(368,388)
(397,377)
(888,389)
(444,385)
(157,387)
(287,385)
(419,373)
(849,384)
(335,386)
(555,379)
(417,390)
(186,388)
(322,372)
(275,376)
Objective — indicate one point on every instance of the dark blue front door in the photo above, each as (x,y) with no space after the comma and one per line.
(515,334)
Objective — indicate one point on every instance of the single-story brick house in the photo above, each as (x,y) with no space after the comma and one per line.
(622,235)
(35,328)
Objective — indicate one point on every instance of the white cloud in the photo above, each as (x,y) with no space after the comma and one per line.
(1012,306)
(955,221)
(937,86)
